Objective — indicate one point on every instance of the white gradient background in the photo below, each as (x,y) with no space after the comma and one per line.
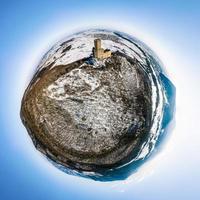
(171,28)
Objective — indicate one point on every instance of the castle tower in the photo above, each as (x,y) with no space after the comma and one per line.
(99,52)
(97,44)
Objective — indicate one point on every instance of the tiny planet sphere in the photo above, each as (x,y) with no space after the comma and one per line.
(96,103)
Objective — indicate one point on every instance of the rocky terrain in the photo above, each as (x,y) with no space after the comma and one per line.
(89,115)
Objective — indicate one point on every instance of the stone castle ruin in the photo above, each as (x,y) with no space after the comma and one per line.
(99,52)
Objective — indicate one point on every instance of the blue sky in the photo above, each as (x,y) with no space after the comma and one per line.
(29,28)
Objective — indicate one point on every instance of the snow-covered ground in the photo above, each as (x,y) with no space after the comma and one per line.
(79,46)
